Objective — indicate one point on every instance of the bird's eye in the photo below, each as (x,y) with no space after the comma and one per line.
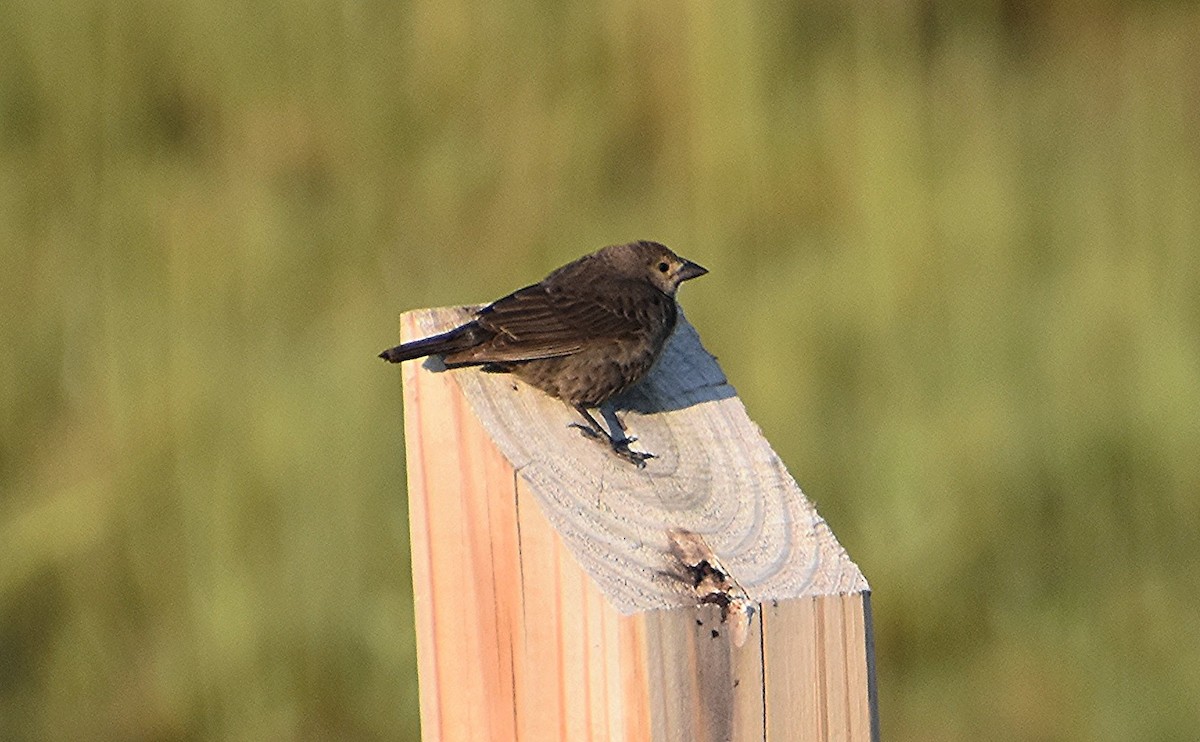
(663,267)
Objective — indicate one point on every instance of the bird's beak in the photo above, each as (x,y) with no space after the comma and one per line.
(690,270)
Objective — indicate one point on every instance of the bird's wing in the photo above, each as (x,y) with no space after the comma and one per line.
(546,322)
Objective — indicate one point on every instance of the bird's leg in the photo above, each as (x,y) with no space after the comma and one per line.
(621,424)
(592,429)
(620,446)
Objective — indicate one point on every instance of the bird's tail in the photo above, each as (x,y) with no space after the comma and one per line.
(448,342)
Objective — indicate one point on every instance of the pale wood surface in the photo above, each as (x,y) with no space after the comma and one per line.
(548,602)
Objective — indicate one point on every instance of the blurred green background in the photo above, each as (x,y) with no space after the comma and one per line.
(955,277)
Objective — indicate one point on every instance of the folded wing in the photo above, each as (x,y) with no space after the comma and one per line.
(542,321)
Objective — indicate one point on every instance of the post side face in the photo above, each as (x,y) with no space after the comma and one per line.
(461,532)
(709,687)
(819,669)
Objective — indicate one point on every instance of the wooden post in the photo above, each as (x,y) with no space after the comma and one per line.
(564,594)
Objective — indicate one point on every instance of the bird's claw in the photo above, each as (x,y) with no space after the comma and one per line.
(619,447)
(637,458)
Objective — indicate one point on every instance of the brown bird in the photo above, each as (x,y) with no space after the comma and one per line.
(585,333)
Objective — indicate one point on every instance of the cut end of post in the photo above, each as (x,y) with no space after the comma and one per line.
(713,476)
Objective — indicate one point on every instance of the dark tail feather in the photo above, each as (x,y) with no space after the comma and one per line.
(457,339)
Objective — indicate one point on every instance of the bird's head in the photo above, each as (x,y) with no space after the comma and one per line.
(663,268)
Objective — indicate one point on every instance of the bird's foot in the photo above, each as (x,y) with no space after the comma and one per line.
(620,447)
(622,450)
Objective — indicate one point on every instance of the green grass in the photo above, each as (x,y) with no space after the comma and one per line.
(963,242)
